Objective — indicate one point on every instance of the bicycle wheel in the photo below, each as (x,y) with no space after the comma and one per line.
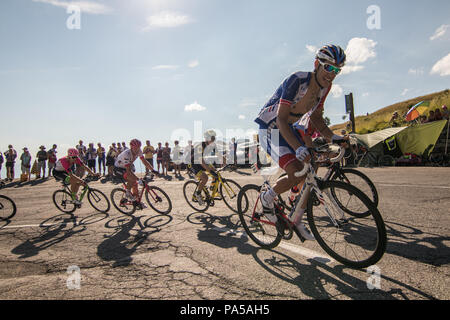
(386,161)
(158,200)
(359,180)
(257,227)
(120,201)
(98,200)
(229,191)
(357,242)
(188,191)
(7,208)
(63,201)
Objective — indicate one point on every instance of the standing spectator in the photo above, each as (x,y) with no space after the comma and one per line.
(124,146)
(110,159)
(437,114)
(10,156)
(52,159)
(159,156)
(431,117)
(445,112)
(82,155)
(232,146)
(1,163)
(188,150)
(91,157)
(41,158)
(176,157)
(166,158)
(101,153)
(26,163)
(148,154)
(119,148)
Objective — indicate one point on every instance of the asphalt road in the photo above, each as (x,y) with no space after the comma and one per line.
(45,254)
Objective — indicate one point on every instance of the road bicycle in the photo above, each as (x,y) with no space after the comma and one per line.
(221,189)
(7,208)
(335,172)
(66,203)
(354,234)
(155,196)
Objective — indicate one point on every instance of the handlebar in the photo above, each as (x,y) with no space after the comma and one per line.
(321,150)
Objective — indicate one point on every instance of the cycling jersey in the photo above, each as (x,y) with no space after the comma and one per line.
(126,158)
(63,164)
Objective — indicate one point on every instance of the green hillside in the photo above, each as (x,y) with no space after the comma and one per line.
(380,119)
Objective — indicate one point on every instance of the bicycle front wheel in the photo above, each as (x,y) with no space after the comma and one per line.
(256,225)
(63,201)
(98,200)
(158,200)
(229,191)
(7,208)
(189,188)
(357,242)
(121,203)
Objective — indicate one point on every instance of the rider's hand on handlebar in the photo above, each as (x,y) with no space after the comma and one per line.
(302,153)
(340,140)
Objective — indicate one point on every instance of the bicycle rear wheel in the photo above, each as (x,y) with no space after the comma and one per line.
(63,201)
(188,191)
(158,200)
(7,208)
(252,218)
(357,242)
(229,190)
(98,200)
(121,203)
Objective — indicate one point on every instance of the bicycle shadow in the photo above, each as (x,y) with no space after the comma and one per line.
(129,233)
(313,278)
(221,232)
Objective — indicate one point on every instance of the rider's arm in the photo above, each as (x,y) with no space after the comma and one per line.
(318,122)
(285,128)
(146,163)
(92,173)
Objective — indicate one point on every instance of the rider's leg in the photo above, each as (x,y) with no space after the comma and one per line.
(203,179)
(74,187)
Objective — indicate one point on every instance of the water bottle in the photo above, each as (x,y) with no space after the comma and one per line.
(293,193)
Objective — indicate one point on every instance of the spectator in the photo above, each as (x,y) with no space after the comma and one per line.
(148,154)
(232,152)
(166,158)
(159,155)
(1,163)
(101,153)
(124,146)
(394,122)
(82,154)
(52,159)
(437,114)
(431,117)
(91,157)
(110,159)
(119,148)
(188,150)
(10,156)
(177,156)
(41,158)
(423,119)
(445,112)
(26,163)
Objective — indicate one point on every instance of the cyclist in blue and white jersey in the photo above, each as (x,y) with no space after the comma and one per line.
(299,99)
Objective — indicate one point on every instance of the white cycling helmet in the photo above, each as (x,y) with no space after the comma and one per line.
(209,134)
(333,54)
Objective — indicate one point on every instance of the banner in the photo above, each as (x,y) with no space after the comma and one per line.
(416,139)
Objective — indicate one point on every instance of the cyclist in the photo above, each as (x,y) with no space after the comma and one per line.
(65,167)
(124,167)
(299,99)
(200,167)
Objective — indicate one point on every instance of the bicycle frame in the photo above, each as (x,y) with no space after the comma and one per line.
(83,192)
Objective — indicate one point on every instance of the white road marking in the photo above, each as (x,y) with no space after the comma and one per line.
(29,226)
(412,186)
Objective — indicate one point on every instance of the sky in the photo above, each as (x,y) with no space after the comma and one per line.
(105,71)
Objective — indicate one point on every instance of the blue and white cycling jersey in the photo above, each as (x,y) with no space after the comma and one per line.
(292,90)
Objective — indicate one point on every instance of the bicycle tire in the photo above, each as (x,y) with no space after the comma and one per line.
(95,196)
(227,185)
(161,195)
(188,195)
(65,202)
(8,208)
(347,227)
(263,234)
(120,202)
(343,175)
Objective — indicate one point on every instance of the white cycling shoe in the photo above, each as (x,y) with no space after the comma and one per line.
(268,208)
(304,231)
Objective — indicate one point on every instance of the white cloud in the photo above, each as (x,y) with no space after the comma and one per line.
(248,102)
(336,91)
(365,94)
(440,32)
(165,67)
(194,107)
(241,117)
(442,67)
(358,51)
(312,48)
(167,19)
(193,64)
(416,72)
(404,92)
(85,6)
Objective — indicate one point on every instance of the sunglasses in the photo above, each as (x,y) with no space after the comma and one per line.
(330,68)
